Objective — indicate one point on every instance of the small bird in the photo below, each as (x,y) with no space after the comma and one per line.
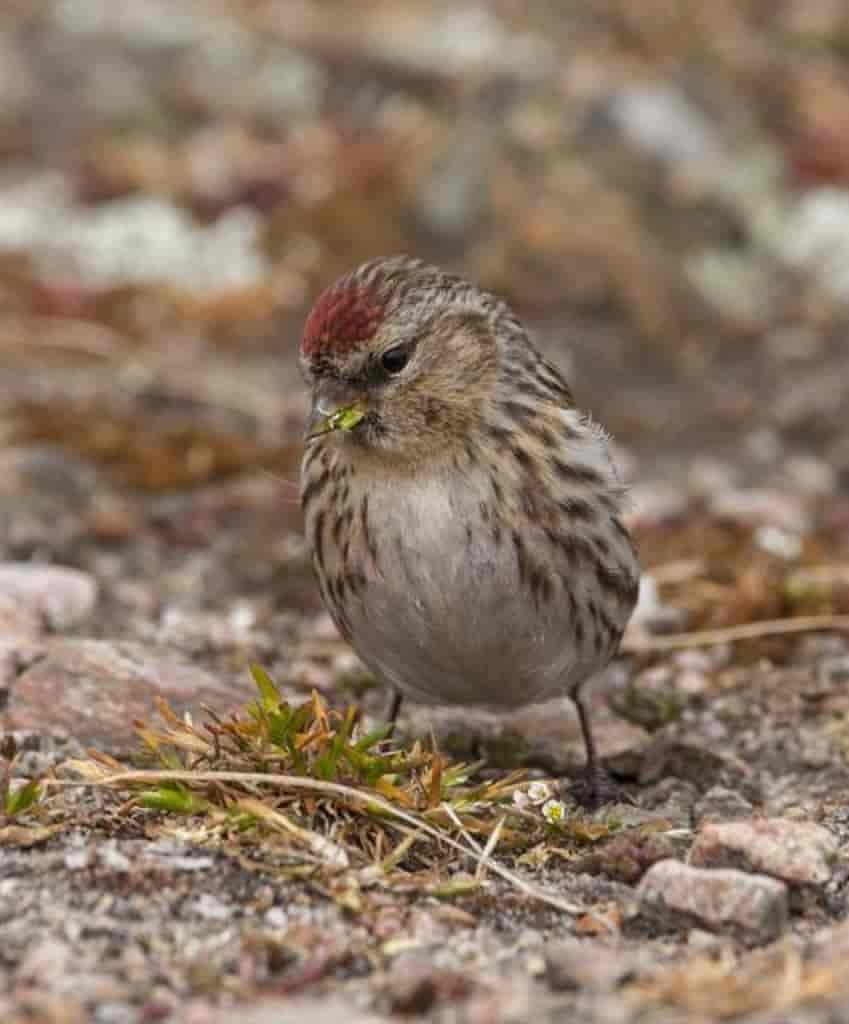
(464,517)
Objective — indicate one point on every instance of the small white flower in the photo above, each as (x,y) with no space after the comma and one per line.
(539,792)
(554,811)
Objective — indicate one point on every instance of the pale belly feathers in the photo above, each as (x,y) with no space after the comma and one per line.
(443,614)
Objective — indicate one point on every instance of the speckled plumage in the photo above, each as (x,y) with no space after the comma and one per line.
(467,534)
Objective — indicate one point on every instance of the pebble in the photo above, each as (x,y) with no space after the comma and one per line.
(415,985)
(664,755)
(326,1009)
(661,121)
(210,908)
(721,804)
(704,661)
(778,542)
(655,503)
(131,240)
(18,648)
(59,596)
(752,908)
(94,690)
(763,507)
(464,40)
(627,856)
(16,621)
(816,239)
(48,474)
(811,476)
(175,856)
(112,858)
(45,956)
(78,855)
(704,942)
(797,852)
(651,614)
(276,918)
(834,672)
(708,476)
(673,799)
(816,749)
(571,965)
(734,283)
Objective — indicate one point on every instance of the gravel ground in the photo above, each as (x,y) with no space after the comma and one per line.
(665,198)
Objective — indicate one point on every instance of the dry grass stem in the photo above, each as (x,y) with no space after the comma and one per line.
(635,644)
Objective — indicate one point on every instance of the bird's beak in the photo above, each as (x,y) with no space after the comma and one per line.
(327,416)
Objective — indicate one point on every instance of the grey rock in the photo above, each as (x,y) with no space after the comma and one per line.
(211,908)
(17,621)
(721,804)
(834,671)
(672,799)
(764,507)
(664,755)
(138,239)
(735,284)
(112,858)
(78,854)
(17,650)
(661,121)
(571,965)
(416,984)
(816,238)
(94,690)
(332,1009)
(651,614)
(62,597)
(797,852)
(655,503)
(816,749)
(752,908)
(45,955)
(173,856)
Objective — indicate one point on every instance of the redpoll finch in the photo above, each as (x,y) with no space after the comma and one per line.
(464,517)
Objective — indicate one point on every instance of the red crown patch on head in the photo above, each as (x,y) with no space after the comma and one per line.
(345,315)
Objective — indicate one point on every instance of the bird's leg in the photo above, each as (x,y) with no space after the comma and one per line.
(587,734)
(596,787)
(393,710)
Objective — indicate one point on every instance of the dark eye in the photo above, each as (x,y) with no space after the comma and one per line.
(395,359)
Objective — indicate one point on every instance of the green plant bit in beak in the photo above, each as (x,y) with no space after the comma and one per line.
(344,419)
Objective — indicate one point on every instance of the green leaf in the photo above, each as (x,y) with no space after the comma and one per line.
(173,798)
(368,768)
(327,766)
(343,419)
(457,775)
(301,716)
(267,688)
(347,418)
(374,770)
(459,885)
(279,725)
(370,738)
(19,800)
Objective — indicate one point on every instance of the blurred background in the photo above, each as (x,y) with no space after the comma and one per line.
(661,189)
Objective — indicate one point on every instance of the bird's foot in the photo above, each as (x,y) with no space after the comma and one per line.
(594,788)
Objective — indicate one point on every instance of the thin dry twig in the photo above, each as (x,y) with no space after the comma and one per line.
(730,634)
